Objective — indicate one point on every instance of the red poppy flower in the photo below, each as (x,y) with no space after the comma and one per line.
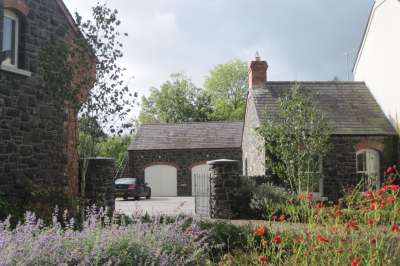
(371,221)
(309,196)
(263,259)
(322,239)
(282,218)
(338,213)
(394,187)
(301,197)
(390,170)
(390,199)
(352,225)
(372,206)
(382,189)
(318,206)
(394,228)
(356,262)
(373,241)
(261,230)
(382,205)
(277,239)
(370,195)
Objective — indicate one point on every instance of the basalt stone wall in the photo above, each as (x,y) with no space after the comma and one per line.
(225,179)
(339,168)
(99,189)
(33,123)
(183,160)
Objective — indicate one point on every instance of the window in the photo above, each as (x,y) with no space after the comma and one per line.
(368,168)
(315,181)
(10,39)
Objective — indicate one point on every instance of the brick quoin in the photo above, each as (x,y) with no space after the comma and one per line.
(162,163)
(197,164)
(367,144)
(19,5)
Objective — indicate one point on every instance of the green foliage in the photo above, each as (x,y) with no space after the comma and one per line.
(296,140)
(115,147)
(227,85)
(269,200)
(177,100)
(242,196)
(224,237)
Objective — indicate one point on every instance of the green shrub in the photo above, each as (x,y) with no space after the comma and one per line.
(224,237)
(269,200)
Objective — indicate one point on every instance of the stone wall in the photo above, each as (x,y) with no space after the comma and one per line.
(183,160)
(99,188)
(33,123)
(225,179)
(252,145)
(339,168)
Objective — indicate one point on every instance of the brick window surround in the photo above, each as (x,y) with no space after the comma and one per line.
(365,144)
(18,5)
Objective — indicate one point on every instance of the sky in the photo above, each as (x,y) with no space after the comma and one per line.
(301,40)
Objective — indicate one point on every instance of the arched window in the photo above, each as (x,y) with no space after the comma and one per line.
(368,167)
(9,53)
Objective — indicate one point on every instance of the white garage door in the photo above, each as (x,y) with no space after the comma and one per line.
(162,180)
(199,170)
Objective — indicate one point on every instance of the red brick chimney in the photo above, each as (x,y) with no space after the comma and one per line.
(257,73)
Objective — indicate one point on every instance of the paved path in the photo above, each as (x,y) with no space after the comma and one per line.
(156,206)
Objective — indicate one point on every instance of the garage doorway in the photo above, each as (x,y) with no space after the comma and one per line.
(162,180)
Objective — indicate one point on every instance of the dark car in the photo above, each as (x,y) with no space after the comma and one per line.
(131,187)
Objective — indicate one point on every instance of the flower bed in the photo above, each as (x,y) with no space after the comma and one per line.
(364,230)
(102,241)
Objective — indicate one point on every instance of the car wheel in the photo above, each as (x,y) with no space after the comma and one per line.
(125,197)
(137,198)
(148,196)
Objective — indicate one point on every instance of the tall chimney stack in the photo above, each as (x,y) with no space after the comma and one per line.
(257,73)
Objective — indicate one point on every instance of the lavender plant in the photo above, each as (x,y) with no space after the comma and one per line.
(102,241)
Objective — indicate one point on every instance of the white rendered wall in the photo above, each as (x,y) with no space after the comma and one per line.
(379,58)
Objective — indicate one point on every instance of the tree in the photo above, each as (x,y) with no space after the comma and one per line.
(115,147)
(227,84)
(177,100)
(296,140)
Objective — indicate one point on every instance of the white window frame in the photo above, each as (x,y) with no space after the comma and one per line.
(12,15)
(371,167)
(317,194)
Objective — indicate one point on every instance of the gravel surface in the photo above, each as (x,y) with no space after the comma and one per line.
(156,206)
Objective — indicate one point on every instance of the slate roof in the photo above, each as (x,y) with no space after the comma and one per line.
(349,107)
(201,135)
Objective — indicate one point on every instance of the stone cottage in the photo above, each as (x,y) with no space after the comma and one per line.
(363,139)
(37,132)
(169,156)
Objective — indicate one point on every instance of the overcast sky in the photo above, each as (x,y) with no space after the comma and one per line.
(301,40)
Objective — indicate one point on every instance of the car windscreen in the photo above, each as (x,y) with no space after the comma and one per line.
(125,181)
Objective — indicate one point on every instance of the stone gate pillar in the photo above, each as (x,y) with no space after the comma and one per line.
(99,187)
(225,178)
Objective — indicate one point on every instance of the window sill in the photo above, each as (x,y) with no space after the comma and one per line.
(16,70)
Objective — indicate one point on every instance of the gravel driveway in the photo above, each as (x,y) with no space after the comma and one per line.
(157,205)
